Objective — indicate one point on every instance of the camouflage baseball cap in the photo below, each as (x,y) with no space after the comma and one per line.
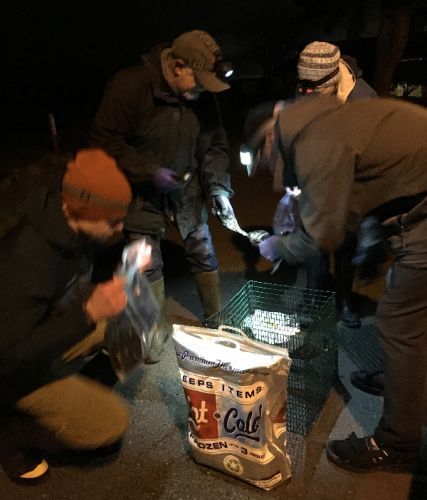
(203,55)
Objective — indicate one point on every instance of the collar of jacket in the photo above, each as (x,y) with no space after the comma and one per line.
(295,116)
(299,114)
(160,86)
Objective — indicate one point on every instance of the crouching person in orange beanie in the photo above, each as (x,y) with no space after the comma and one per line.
(53,320)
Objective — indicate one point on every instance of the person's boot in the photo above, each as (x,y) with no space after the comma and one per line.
(19,451)
(163,332)
(349,317)
(371,382)
(25,467)
(209,292)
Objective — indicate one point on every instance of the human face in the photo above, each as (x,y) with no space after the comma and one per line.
(330,90)
(186,82)
(100,230)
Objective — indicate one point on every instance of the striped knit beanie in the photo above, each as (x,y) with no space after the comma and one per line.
(318,65)
(94,188)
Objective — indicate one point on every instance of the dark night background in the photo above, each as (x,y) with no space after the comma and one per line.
(57,56)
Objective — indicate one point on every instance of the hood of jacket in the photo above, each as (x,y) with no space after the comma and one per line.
(161,88)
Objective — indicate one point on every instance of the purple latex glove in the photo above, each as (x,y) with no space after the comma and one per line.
(286,218)
(272,248)
(223,205)
(166,179)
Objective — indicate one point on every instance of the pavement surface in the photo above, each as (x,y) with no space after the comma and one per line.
(155,462)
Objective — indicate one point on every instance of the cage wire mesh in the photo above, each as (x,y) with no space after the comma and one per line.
(301,320)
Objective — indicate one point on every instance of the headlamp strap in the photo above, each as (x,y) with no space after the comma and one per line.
(311,84)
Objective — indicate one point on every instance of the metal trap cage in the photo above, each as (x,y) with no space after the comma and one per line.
(301,320)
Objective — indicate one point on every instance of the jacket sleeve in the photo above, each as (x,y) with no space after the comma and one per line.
(116,121)
(39,332)
(215,159)
(325,173)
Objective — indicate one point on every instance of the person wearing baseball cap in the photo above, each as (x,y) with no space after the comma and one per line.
(161,121)
(54,319)
(354,163)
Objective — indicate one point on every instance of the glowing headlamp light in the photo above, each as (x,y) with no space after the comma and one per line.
(246,157)
(223,69)
(249,158)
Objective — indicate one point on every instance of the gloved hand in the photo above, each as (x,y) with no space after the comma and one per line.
(223,206)
(371,250)
(272,248)
(166,179)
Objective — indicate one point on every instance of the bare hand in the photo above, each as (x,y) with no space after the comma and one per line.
(107,300)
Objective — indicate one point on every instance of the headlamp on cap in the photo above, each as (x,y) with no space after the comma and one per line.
(249,158)
(223,69)
(250,152)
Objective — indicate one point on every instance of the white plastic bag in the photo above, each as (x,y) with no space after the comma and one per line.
(236,391)
(129,336)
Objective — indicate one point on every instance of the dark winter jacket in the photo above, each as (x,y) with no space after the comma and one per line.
(348,161)
(144,125)
(43,288)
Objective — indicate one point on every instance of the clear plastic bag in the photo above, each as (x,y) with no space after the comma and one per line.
(129,336)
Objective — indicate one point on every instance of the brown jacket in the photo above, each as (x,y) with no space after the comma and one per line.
(348,160)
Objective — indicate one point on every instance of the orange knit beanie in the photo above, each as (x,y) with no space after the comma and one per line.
(94,188)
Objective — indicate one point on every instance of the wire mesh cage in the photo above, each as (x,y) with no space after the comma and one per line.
(301,320)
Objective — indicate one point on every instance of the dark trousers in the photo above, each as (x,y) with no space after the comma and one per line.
(317,269)
(198,249)
(402,321)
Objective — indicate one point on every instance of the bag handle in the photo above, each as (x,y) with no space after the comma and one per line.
(224,328)
(230,339)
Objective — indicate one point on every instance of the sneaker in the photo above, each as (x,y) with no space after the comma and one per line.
(25,468)
(370,382)
(39,471)
(367,455)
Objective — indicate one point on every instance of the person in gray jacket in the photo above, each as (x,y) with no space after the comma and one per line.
(160,120)
(353,161)
(323,69)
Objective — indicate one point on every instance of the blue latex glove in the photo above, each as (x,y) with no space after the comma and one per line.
(222,204)
(271,248)
(166,180)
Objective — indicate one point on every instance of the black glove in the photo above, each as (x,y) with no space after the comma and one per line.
(371,250)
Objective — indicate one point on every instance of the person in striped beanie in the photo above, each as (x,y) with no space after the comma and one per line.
(322,68)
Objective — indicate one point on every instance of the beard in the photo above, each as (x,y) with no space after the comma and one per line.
(191,95)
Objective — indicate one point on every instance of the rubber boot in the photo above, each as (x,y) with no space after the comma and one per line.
(209,292)
(163,331)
